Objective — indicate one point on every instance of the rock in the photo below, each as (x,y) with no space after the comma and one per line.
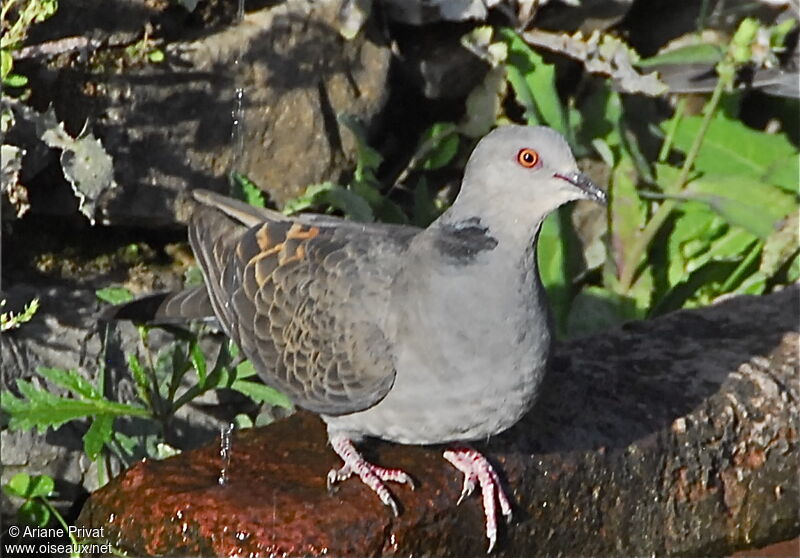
(169,126)
(676,436)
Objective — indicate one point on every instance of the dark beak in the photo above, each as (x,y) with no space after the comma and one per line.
(582,182)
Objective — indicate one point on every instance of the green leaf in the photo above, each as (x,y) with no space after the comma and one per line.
(328,193)
(34,512)
(780,246)
(28,486)
(743,201)
(248,190)
(15,80)
(595,309)
(114,295)
(261,393)
(690,54)
(627,213)
(199,363)
(368,160)
(71,380)
(552,260)
(731,148)
(156,56)
(534,84)
(692,232)
(785,173)
(425,210)
(245,369)
(6,63)
(97,436)
(38,408)
(439,145)
(793,273)
(139,377)
(605,124)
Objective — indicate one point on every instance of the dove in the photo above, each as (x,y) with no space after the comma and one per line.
(434,336)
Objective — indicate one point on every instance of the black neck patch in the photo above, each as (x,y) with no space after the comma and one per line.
(461,242)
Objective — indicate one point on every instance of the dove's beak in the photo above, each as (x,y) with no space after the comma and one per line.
(583,183)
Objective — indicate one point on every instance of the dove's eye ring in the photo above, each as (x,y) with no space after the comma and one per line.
(528,158)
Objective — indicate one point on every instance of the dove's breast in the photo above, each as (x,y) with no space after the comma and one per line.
(471,347)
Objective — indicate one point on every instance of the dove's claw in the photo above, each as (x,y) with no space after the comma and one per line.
(371,475)
(477,470)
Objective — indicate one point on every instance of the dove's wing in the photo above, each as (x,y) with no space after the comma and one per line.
(303,301)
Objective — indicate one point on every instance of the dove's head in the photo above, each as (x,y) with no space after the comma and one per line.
(523,173)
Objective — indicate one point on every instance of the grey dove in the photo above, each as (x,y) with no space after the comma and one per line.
(416,336)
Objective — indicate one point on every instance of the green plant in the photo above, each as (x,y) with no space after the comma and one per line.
(11,320)
(163,386)
(38,511)
(17,16)
(715,213)
(34,490)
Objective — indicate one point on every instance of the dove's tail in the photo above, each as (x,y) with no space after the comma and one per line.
(164,308)
(214,230)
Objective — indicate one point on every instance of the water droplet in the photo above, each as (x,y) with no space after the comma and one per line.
(225,432)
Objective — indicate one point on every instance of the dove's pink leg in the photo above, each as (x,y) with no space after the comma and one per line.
(478,471)
(371,475)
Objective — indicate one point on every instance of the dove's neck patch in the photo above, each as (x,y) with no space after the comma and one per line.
(461,242)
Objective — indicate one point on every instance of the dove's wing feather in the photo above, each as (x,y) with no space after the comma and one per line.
(305,303)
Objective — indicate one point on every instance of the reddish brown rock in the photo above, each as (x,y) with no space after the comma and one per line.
(677,436)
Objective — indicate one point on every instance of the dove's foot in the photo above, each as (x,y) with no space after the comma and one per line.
(371,475)
(478,471)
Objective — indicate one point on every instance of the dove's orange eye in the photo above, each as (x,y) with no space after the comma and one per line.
(528,158)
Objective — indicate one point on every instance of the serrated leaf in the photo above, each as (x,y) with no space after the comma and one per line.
(114,295)
(139,377)
(38,408)
(86,164)
(261,393)
(98,435)
(71,380)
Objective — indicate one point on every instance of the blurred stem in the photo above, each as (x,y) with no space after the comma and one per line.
(737,276)
(60,518)
(673,127)
(643,240)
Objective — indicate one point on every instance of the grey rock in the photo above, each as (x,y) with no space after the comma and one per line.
(169,126)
